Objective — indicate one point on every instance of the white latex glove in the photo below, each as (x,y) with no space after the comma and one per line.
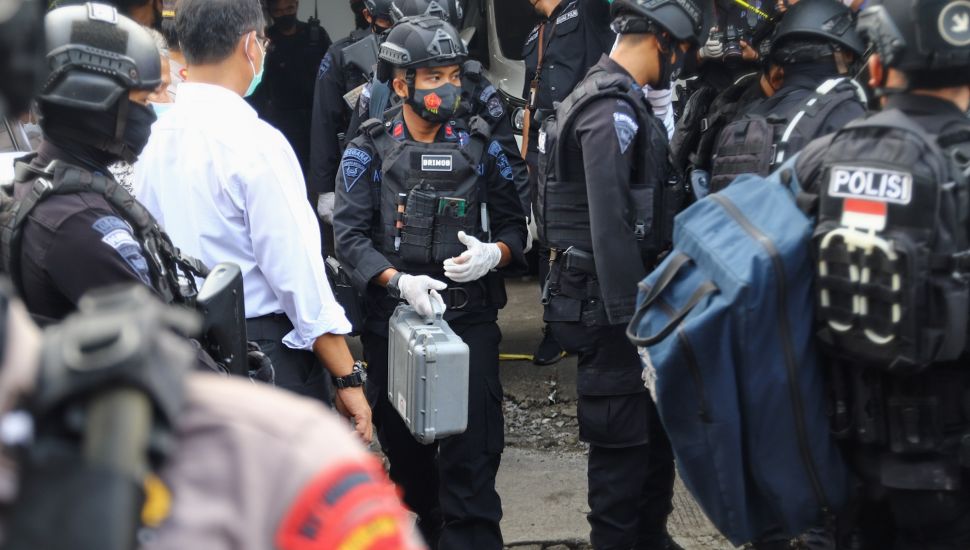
(325,207)
(474,263)
(421,292)
(712,49)
(533,235)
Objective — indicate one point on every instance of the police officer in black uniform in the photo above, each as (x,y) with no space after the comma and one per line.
(331,113)
(285,98)
(479,96)
(603,170)
(905,419)
(76,228)
(462,219)
(569,39)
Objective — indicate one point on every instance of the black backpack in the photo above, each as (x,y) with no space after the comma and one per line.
(705,113)
(756,144)
(892,244)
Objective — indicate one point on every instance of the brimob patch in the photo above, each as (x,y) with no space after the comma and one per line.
(495,107)
(351,507)
(354,164)
(626,130)
(117,234)
(325,65)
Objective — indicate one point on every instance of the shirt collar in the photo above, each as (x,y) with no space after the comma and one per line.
(916,104)
(194,93)
(450,132)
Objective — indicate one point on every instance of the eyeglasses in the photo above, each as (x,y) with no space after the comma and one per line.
(261,39)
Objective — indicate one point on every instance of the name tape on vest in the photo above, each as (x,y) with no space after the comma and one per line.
(436,163)
(876,184)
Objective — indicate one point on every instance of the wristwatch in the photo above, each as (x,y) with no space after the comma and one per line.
(392,289)
(355,379)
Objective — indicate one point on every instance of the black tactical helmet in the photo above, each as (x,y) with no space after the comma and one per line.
(818,21)
(449,10)
(424,41)
(680,18)
(927,40)
(21,54)
(95,56)
(379,9)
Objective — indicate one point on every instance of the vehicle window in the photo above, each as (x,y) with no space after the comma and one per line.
(7,143)
(515,19)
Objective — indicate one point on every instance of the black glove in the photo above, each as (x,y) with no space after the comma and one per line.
(260,366)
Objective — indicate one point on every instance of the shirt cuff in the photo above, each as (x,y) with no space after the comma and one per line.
(332,321)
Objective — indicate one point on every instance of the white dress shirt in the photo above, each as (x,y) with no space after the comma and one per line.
(227,187)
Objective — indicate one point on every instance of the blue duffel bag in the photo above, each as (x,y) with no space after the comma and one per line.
(725,326)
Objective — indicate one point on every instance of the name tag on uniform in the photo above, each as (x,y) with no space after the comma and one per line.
(542,141)
(436,163)
(877,184)
(567,16)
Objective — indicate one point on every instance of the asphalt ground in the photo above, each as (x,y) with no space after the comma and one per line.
(542,480)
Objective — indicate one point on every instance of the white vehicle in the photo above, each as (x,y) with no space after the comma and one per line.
(14,144)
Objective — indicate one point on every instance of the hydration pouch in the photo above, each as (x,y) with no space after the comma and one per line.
(416,235)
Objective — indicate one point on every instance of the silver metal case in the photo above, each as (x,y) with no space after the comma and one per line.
(427,378)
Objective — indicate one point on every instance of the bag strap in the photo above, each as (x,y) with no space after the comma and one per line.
(677,263)
(817,107)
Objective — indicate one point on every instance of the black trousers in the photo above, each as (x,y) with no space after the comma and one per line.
(450,484)
(631,463)
(296,370)
(899,519)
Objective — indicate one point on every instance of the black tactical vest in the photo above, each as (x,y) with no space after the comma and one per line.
(892,244)
(171,273)
(562,211)
(429,192)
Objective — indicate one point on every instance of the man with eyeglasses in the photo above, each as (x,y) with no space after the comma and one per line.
(230,188)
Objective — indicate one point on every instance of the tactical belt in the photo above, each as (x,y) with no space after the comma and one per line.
(573,259)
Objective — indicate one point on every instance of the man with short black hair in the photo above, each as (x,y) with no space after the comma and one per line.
(285,99)
(230,188)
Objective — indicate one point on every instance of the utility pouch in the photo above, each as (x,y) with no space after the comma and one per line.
(452,215)
(416,235)
(915,425)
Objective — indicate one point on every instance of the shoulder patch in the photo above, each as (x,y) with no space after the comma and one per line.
(325,65)
(626,130)
(502,163)
(352,507)
(487,93)
(494,107)
(463,138)
(355,162)
(398,131)
(117,234)
(532,35)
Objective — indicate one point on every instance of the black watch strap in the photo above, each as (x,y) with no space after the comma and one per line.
(392,286)
(355,379)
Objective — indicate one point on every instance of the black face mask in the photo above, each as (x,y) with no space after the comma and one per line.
(436,105)
(285,22)
(668,70)
(138,128)
(94,133)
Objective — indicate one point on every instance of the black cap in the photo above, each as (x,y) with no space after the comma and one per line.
(424,41)
(926,39)
(450,11)
(680,18)
(819,20)
(95,56)
(379,8)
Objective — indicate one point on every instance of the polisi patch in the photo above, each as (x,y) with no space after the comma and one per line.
(626,130)
(954,23)
(353,166)
(855,182)
(495,107)
(436,163)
